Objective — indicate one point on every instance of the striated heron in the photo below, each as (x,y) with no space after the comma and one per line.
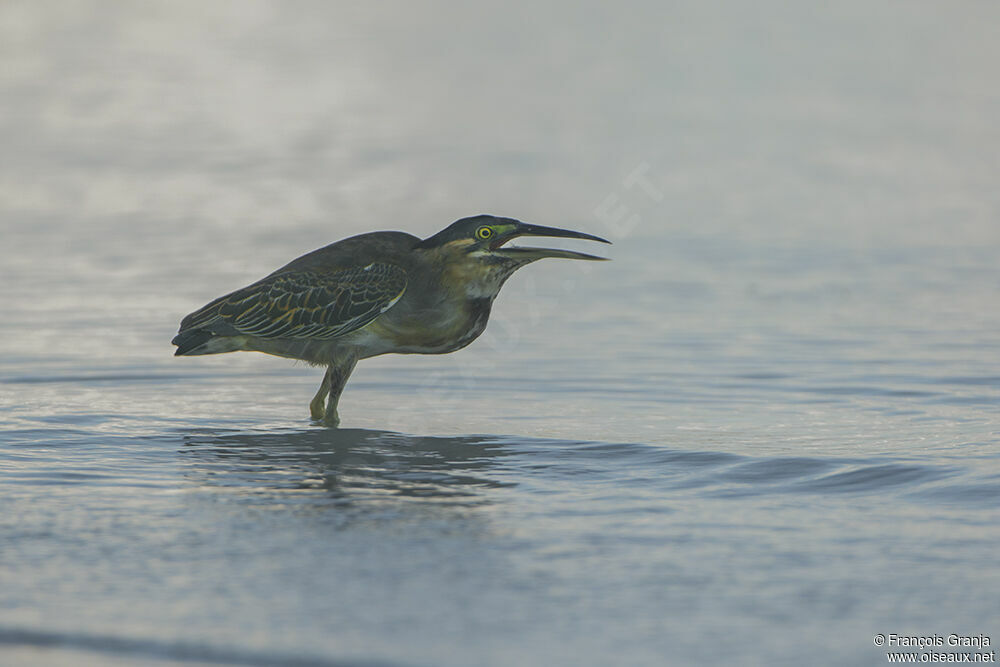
(369,295)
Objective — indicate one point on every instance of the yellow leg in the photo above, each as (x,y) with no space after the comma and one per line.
(336,378)
(317,407)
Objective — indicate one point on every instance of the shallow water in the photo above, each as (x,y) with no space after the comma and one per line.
(763,433)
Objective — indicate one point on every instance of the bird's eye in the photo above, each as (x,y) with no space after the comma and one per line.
(484,233)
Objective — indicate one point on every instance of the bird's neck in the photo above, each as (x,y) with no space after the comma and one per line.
(477,276)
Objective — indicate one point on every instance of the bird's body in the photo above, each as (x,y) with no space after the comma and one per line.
(368,295)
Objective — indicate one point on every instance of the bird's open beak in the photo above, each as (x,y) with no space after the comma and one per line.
(531,254)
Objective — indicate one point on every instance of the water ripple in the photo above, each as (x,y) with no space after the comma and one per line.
(151,649)
(352,464)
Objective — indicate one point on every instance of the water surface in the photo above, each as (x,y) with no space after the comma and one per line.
(763,433)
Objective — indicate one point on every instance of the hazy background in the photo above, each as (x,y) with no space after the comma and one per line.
(767,429)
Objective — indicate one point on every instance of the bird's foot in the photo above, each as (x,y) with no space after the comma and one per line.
(317,409)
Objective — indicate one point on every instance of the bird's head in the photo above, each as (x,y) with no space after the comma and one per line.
(482,237)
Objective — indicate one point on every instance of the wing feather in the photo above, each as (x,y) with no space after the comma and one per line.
(308,304)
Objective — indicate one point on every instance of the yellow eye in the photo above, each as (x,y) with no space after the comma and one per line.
(484,233)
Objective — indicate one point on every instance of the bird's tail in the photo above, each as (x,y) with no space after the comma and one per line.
(193,342)
(188,342)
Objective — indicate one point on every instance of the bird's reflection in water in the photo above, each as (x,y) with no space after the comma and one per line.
(344,466)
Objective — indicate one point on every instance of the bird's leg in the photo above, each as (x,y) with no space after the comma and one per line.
(317,407)
(336,378)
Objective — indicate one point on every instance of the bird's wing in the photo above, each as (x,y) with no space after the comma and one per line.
(312,305)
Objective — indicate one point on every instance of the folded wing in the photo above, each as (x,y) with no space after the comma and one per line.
(303,304)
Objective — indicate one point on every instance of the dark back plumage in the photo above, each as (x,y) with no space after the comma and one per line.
(321,295)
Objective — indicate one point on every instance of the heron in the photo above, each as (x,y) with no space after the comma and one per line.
(372,294)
